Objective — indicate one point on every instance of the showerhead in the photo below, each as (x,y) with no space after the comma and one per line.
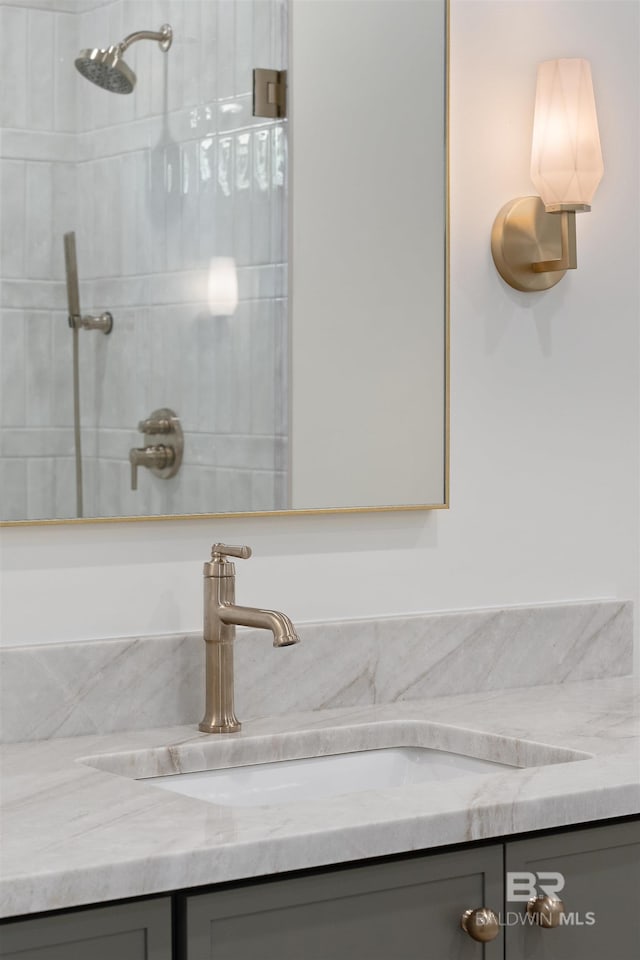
(107,69)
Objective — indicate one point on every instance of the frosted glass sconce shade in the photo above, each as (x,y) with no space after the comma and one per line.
(222,293)
(566,159)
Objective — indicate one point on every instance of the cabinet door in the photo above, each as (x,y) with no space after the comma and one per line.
(129,931)
(600,868)
(398,910)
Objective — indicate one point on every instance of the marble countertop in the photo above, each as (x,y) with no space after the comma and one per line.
(74,834)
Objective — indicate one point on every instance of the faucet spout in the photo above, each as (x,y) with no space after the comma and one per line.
(283,631)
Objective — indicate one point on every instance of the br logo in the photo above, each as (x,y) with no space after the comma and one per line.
(524,886)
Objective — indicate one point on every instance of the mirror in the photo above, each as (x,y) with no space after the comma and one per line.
(277,285)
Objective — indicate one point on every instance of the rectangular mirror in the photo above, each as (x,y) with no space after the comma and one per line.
(278,285)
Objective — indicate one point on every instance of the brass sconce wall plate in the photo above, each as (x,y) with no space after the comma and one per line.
(525,239)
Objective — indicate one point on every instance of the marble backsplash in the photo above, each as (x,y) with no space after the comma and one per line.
(102,686)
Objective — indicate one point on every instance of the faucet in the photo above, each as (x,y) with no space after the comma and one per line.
(221,617)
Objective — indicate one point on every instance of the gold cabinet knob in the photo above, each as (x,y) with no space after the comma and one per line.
(481,924)
(545,911)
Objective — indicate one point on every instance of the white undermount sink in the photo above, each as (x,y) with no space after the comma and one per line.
(318,763)
(313,778)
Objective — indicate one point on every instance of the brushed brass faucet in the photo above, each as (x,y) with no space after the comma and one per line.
(221,616)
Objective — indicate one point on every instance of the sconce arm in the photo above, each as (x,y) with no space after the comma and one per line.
(569,255)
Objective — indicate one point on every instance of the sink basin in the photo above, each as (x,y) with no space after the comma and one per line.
(264,769)
(313,778)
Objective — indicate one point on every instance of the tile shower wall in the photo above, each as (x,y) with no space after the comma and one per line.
(38,150)
(155,184)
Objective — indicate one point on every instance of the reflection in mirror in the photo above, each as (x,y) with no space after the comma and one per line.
(178,199)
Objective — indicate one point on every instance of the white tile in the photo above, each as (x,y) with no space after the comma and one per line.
(128,225)
(160,66)
(39,214)
(173,205)
(207,222)
(85,220)
(190,204)
(61,371)
(282,399)
(263,490)
(39,383)
(121,107)
(40,78)
(262,347)
(45,145)
(13,490)
(113,481)
(65,200)
(115,354)
(282,500)
(93,102)
(13,220)
(244,48)
(12,359)
(33,294)
(137,16)
(213,374)
(65,487)
(262,35)
(173,65)
(37,442)
(13,66)
(242,387)
(225,48)
(185,353)
(41,489)
(279,196)
(240,491)
(208,51)
(92,375)
(236,114)
(67,80)
(105,225)
(244,200)
(149,221)
(259,228)
(155,213)
(143,337)
(281,34)
(193,39)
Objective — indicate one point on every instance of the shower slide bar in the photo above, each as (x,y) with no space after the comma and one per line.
(102,322)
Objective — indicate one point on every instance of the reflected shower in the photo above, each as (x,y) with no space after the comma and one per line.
(107,69)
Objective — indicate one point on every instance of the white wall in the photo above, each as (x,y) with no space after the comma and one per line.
(545,473)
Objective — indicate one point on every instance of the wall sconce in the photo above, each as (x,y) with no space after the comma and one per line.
(533,240)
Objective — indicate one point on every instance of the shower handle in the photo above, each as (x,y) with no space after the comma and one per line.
(156,456)
(162,454)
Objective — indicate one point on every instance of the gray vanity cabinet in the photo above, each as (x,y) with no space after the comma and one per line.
(127,931)
(601,871)
(404,910)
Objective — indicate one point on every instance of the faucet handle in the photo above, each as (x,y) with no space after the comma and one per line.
(221,550)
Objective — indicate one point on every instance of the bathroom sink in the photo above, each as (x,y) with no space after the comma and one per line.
(314,778)
(320,762)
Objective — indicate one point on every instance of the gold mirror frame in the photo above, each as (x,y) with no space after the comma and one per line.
(402,508)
